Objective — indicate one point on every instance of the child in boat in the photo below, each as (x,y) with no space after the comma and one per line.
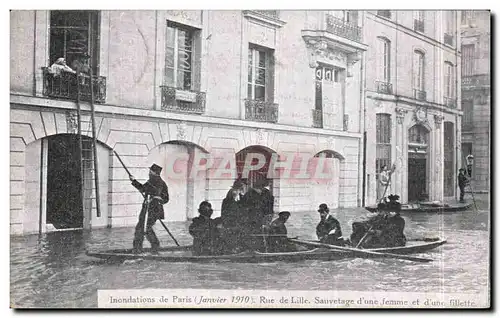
(205,231)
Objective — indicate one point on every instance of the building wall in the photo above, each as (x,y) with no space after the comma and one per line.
(401,104)
(476,30)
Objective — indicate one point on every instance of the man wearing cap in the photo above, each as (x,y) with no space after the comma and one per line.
(278,241)
(205,231)
(155,192)
(328,229)
(462,182)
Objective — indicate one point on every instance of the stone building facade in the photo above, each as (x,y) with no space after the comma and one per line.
(194,84)
(413,116)
(476,96)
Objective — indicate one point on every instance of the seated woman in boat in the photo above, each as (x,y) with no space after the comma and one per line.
(328,229)
(277,239)
(384,229)
(205,231)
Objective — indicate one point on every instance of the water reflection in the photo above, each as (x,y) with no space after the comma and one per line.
(53,271)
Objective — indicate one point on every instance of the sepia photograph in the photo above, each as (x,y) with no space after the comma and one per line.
(250,158)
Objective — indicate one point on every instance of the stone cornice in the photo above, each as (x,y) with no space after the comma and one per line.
(142,114)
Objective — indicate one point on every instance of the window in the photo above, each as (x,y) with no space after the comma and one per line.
(419,24)
(418,134)
(419,70)
(448,80)
(384,73)
(384,13)
(260,74)
(348,16)
(467,107)
(73,36)
(467,17)
(468,60)
(180,56)
(449,27)
(383,140)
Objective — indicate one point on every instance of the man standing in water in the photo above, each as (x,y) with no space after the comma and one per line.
(462,182)
(155,192)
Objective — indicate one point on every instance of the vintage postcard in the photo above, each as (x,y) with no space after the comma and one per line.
(250,159)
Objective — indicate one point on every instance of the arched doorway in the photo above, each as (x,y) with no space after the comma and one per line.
(186,188)
(325,183)
(53,184)
(418,165)
(251,168)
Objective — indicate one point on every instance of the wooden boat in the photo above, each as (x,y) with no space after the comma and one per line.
(184,254)
(429,207)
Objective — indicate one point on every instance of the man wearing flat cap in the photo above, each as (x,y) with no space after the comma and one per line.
(328,229)
(278,241)
(155,192)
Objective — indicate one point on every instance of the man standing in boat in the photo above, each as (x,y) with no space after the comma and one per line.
(384,182)
(155,192)
(328,229)
(234,217)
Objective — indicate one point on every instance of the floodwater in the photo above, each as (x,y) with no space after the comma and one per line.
(53,271)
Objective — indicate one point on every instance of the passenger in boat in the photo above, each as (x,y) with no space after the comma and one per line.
(205,231)
(462,182)
(155,192)
(384,229)
(277,239)
(259,202)
(328,229)
(234,218)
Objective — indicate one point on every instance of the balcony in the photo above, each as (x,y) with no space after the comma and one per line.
(418,25)
(259,110)
(317,115)
(384,87)
(177,100)
(476,81)
(450,102)
(419,95)
(384,13)
(65,86)
(341,28)
(448,39)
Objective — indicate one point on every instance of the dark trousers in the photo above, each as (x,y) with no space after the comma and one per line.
(150,234)
(462,192)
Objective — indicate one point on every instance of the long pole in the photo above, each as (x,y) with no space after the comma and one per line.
(129,174)
(94,137)
(364,169)
(80,146)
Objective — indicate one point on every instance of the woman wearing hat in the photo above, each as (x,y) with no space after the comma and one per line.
(155,192)
(234,217)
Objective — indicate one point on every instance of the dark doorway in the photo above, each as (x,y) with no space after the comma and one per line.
(64,203)
(254,175)
(417,189)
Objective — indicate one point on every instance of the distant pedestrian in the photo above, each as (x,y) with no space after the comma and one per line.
(462,182)
(384,182)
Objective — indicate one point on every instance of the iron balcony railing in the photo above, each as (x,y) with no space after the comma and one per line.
(192,102)
(420,95)
(65,86)
(479,80)
(270,13)
(342,28)
(448,39)
(450,102)
(418,25)
(317,115)
(384,87)
(384,13)
(259,110)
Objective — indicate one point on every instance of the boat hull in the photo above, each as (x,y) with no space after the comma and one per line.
(184,254)
(428,208)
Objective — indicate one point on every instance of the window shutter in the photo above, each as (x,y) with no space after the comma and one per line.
(270,79)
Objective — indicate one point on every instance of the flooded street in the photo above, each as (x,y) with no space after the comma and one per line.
(53,270)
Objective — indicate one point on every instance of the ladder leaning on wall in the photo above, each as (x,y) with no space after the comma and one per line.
(88,154)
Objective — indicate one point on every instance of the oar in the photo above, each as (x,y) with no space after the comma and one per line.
(363,253)
(168,231)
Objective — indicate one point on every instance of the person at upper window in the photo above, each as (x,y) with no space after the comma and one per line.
(60,66)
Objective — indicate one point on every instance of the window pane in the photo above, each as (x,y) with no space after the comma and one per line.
(184,60)
(185,40)
(261,76)
(170,57)
(170,37)
(170,80)
(184,79)
(249,91)
(262,59)
(260,93)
